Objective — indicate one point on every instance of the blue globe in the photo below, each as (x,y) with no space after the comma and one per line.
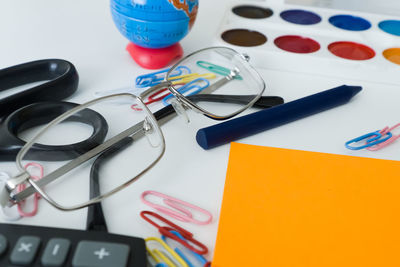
(154,23)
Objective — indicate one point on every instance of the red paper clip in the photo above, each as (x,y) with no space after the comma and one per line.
(165,230)
(153,98)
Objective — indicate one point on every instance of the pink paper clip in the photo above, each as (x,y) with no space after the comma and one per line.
(387,142)
(36,196)
(181,211)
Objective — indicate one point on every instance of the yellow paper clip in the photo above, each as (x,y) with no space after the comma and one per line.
(161,257)
(190,77)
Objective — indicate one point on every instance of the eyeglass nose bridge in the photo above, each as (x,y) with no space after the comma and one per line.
(17,180)
(245,57)
(150,133)
(10,186)
(179,107)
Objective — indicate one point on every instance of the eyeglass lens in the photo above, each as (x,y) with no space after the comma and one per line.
(131,136)
(220,71)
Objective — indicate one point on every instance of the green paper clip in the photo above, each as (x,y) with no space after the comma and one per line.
(216,69)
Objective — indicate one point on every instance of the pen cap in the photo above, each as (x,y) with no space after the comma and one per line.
(263,120)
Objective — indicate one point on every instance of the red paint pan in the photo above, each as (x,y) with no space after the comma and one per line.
(297,44)
(351,50)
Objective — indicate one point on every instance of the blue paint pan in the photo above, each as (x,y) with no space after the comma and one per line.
(390,26)
(350,23)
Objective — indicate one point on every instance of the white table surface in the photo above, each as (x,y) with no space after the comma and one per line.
(83,33)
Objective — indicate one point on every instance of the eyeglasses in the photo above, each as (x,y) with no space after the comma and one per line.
(132,140)
(64,185)
(233,76)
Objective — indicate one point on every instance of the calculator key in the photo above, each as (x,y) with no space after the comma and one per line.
(56,252)
(3,244)
(100,254)
(25,250)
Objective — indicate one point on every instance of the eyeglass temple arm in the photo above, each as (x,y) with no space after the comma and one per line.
(135,130)
(263,102)
(165,114)
(95,217)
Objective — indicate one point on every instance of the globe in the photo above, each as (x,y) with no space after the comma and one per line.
(154,23)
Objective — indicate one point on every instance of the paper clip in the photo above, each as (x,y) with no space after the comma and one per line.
(203,261)
(36,196)
(155,78)
(190,77)
(162,259)
(191,87)
(388,141)
(153,98)
(165,230)
(216,69)
(8,213)
(181,213)
(373,138)
(181,80)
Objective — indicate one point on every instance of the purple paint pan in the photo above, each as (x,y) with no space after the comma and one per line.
(299,16)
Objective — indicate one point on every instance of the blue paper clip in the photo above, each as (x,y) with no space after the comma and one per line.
(216,69)
(154,78)
(203,261)
(376,138)
(168,257)
(191,87)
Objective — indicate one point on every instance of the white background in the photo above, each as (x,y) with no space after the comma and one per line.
(83,33)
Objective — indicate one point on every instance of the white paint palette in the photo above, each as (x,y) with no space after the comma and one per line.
(349,44)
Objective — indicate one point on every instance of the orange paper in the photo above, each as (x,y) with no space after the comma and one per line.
(295,208)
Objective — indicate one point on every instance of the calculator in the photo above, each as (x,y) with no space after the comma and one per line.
(23,245)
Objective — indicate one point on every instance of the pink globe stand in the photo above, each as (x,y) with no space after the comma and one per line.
(154,58)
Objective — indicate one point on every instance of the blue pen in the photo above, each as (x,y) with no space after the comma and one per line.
(263,120)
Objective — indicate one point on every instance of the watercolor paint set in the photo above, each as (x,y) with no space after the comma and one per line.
(342,43)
